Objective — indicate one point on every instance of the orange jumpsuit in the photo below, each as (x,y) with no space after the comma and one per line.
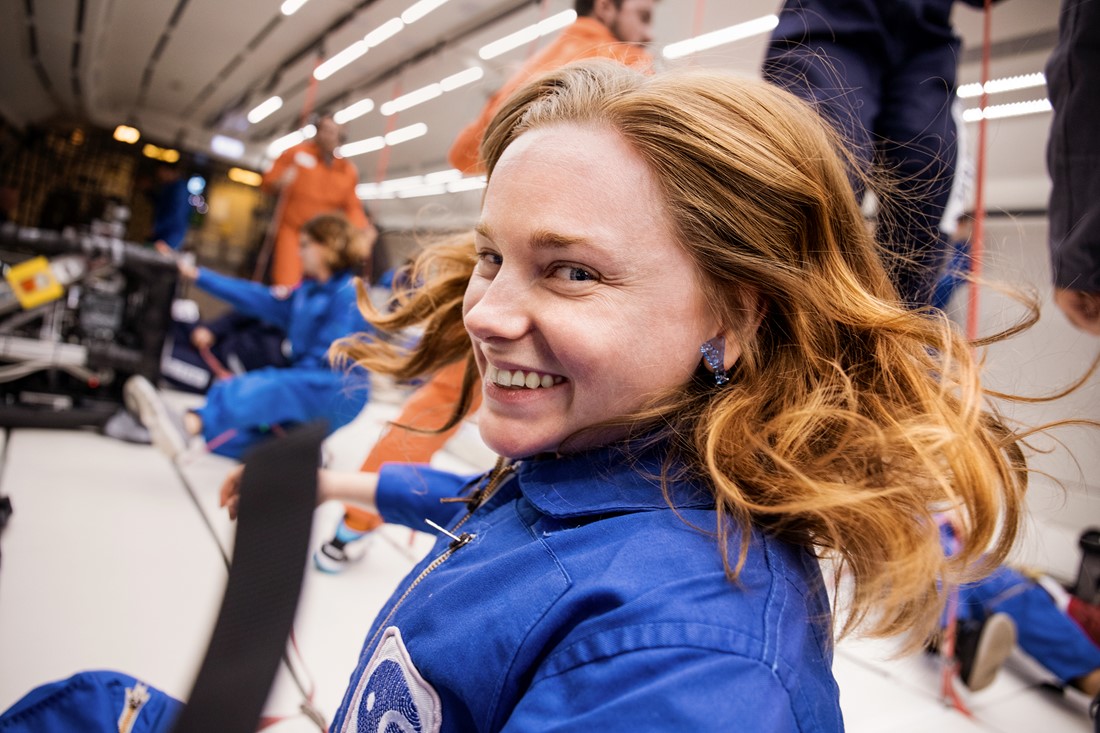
(427,408)
(586,38)
(318,188)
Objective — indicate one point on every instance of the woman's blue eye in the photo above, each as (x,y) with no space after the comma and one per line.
(573,273)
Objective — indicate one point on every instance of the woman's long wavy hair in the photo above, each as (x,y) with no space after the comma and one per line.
(849,421)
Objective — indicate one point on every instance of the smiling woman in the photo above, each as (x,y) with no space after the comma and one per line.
(697,372)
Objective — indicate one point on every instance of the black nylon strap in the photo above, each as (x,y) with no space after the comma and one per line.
(277,496)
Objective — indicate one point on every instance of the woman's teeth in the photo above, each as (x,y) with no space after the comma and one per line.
(520,378)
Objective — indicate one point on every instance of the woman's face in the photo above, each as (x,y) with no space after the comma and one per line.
(314,258)
(580,291)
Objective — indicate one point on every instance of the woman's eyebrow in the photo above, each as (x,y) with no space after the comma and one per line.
(541,239)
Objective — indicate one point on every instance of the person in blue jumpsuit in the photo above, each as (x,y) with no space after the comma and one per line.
(1043,630)
(245,408)
(883,71)
(171,207)
(698,380)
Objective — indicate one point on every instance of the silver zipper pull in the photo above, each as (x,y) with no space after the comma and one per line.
(459,540)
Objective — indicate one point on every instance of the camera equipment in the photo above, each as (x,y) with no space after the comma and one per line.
(79,313)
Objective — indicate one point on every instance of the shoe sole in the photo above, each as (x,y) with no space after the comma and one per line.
(141,398)
(994,647)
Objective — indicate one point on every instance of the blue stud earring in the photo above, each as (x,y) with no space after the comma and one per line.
(714,354)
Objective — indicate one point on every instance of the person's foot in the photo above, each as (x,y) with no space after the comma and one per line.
(124,426)
(981,647)
(165,425)
(346,547)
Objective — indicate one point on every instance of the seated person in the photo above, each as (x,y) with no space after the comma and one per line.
(230,344)
(244,409)
(1007,608)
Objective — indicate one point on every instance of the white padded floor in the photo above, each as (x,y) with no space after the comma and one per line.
(109,562)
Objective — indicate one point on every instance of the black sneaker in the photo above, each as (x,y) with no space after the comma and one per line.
(981,647)
(333,557)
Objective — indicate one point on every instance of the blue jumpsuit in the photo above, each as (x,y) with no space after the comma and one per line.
(581,601)
(313,316)
(884,72)
(1045,632)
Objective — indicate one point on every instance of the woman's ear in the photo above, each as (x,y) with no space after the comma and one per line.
(748,319)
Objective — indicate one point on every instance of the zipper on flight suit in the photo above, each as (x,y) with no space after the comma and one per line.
(475,500)
(136,697)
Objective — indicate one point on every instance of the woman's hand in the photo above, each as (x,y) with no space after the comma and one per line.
(354,486)
(203,338)
(230,495)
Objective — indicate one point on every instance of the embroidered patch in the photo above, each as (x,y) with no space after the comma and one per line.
(280,292)
(391,696)
(302,159)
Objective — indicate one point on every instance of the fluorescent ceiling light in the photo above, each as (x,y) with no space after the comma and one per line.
(416,11)
(526,35)
(413,98)
(359,147)
(127,134)
(247,177)
(1016,109)
(405,134)
(290,7)
(720,37)
(331,65)
(466,184)
(227,147)
(265,108)
(445,176)
(352,111)
(384,32)
(1007,84)
(430,184)
(462,78)
(286,142)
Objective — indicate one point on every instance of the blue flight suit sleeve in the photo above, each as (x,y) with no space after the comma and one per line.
(653,688)
(409,493)
(252,299)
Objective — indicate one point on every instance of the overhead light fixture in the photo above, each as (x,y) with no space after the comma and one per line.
(1006,84)
(525,35)
(265,108)
(413,98)
(331,65)
(384,32)
(127,134)
(416,11)
(371,144)
(1015,109)
(247,177)
(429,184)
(227,147)
(352,111)
(290,7)
(405,134)
(277,146)
(462,78)
(359,147)
(165,155)
(720,37)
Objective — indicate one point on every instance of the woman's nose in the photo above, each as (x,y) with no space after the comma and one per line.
(497,309)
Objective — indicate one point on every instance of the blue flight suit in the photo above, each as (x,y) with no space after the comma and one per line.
(313,315)
(172,213)
(584,602)
(883,71)
(1044,631)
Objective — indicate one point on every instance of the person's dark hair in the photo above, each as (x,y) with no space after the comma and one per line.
(585,7)
(346,245)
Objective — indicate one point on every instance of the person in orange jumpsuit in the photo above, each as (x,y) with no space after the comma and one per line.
(612,29)
(310,180)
